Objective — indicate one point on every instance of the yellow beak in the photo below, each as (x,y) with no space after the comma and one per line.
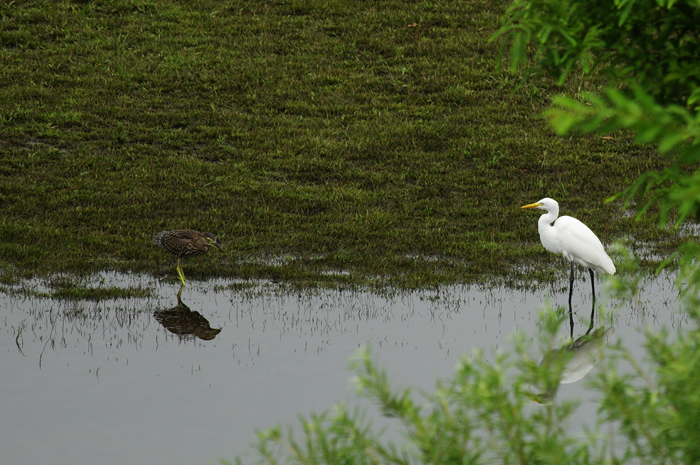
(532,205)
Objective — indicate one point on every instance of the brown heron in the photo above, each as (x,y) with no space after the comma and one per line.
(185,243)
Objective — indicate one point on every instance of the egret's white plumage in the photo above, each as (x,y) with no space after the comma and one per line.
(571,238)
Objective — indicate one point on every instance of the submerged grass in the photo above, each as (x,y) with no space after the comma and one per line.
(75,288)
(322,141)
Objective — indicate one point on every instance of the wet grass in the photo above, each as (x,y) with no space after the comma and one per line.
(66,288)
(323,142)
(69,287)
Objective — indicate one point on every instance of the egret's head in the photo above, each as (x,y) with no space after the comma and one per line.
(546,204)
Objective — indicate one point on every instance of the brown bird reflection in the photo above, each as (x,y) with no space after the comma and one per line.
(187,324)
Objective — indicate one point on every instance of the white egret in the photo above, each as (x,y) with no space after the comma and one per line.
(573,239)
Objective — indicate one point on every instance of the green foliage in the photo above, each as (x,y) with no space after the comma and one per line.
(651,43)
(657,412)
(337,438)
(674,129)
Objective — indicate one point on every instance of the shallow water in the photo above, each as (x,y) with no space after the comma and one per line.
(112,383)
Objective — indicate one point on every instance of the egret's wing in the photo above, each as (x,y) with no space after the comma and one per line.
(580,244)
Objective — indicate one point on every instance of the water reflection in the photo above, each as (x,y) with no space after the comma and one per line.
(573,360)
(185,323)
(95,375)
(571,315)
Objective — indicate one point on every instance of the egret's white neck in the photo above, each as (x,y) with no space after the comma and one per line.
(547,219)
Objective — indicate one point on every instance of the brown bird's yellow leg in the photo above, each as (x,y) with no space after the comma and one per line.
(180,273)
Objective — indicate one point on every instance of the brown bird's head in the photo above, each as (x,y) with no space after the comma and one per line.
(212,241)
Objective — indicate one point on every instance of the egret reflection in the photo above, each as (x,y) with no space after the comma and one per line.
(573,360)
(185,323)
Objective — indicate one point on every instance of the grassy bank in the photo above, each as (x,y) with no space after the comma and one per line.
(373,138)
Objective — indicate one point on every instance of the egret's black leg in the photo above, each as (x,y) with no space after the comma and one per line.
(593,304)
(571,308)
(571,284)
(571,321)
(590,326)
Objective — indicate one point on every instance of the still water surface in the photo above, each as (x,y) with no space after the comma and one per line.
(111,382)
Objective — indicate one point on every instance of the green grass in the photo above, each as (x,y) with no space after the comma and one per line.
(373,138)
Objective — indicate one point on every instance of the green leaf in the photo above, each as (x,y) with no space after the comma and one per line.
(543,35)
(647,133)
(694,97)
(625,13)
(567,36)
(670,141)
(565,72)
(563,122)
(517,50)
(690,154)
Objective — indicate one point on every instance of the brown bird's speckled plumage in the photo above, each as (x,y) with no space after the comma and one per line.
(185,243)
